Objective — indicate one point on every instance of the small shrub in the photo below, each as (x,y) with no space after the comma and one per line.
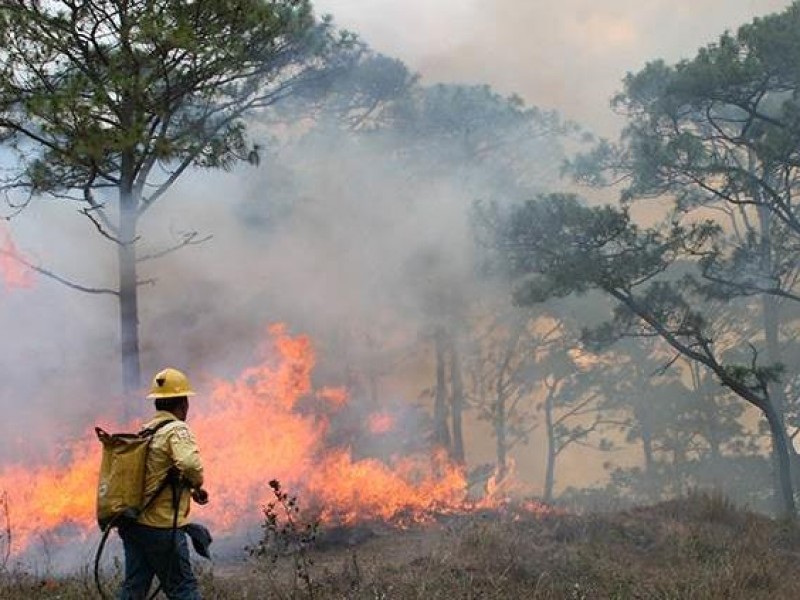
(286,534)
(713,506)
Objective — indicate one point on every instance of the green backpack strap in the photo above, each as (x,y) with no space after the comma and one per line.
(172,475)
(151,430)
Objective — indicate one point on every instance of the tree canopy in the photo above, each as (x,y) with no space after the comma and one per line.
(107,103)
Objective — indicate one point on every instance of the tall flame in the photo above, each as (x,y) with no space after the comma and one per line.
(267,424)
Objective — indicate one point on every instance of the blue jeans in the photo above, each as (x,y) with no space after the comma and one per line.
(151,551)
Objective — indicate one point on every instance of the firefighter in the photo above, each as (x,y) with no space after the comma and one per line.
(155,545)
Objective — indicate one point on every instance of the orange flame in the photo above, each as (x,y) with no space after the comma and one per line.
(500,486)
(13,272)
(250,431)
(379,423)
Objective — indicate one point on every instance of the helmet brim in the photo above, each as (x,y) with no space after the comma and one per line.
(155,396)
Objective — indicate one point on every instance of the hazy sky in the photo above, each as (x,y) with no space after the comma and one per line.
(569,54)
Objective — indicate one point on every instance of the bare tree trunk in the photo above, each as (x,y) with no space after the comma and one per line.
(777,395)
(647,450)
(780,450)
(128,294)
(501,396)
(776,390)
(500,436)
(712,433)
(651,485)
(640,414)
(128,222)
(770,309)
(710,411)
(457,402)
(550,467)
(772,336)
(441,431)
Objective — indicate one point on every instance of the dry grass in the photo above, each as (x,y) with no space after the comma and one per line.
(698,548)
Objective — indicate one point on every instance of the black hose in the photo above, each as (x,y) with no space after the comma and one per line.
(170,479)
(106,530)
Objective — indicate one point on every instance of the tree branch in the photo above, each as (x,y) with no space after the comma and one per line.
(87,212)
(189,239)
(47,273)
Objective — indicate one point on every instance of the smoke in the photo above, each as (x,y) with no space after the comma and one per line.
(354,254)
(57,373)
(569,55)
(412,29)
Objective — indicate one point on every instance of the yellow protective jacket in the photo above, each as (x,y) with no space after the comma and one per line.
(172,446)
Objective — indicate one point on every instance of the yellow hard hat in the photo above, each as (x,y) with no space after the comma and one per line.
(170,383)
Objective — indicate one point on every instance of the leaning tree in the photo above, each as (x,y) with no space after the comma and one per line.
(718,135)
(556,246)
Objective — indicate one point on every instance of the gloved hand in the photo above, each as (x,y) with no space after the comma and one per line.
(200,496)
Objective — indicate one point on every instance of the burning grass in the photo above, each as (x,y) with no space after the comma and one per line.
(699,548)
(269,420)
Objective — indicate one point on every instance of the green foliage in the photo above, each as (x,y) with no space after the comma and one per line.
(495,143)
(754,377)
(557,245)
(127,96)
(363,99)
(723,126)
(97,94)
